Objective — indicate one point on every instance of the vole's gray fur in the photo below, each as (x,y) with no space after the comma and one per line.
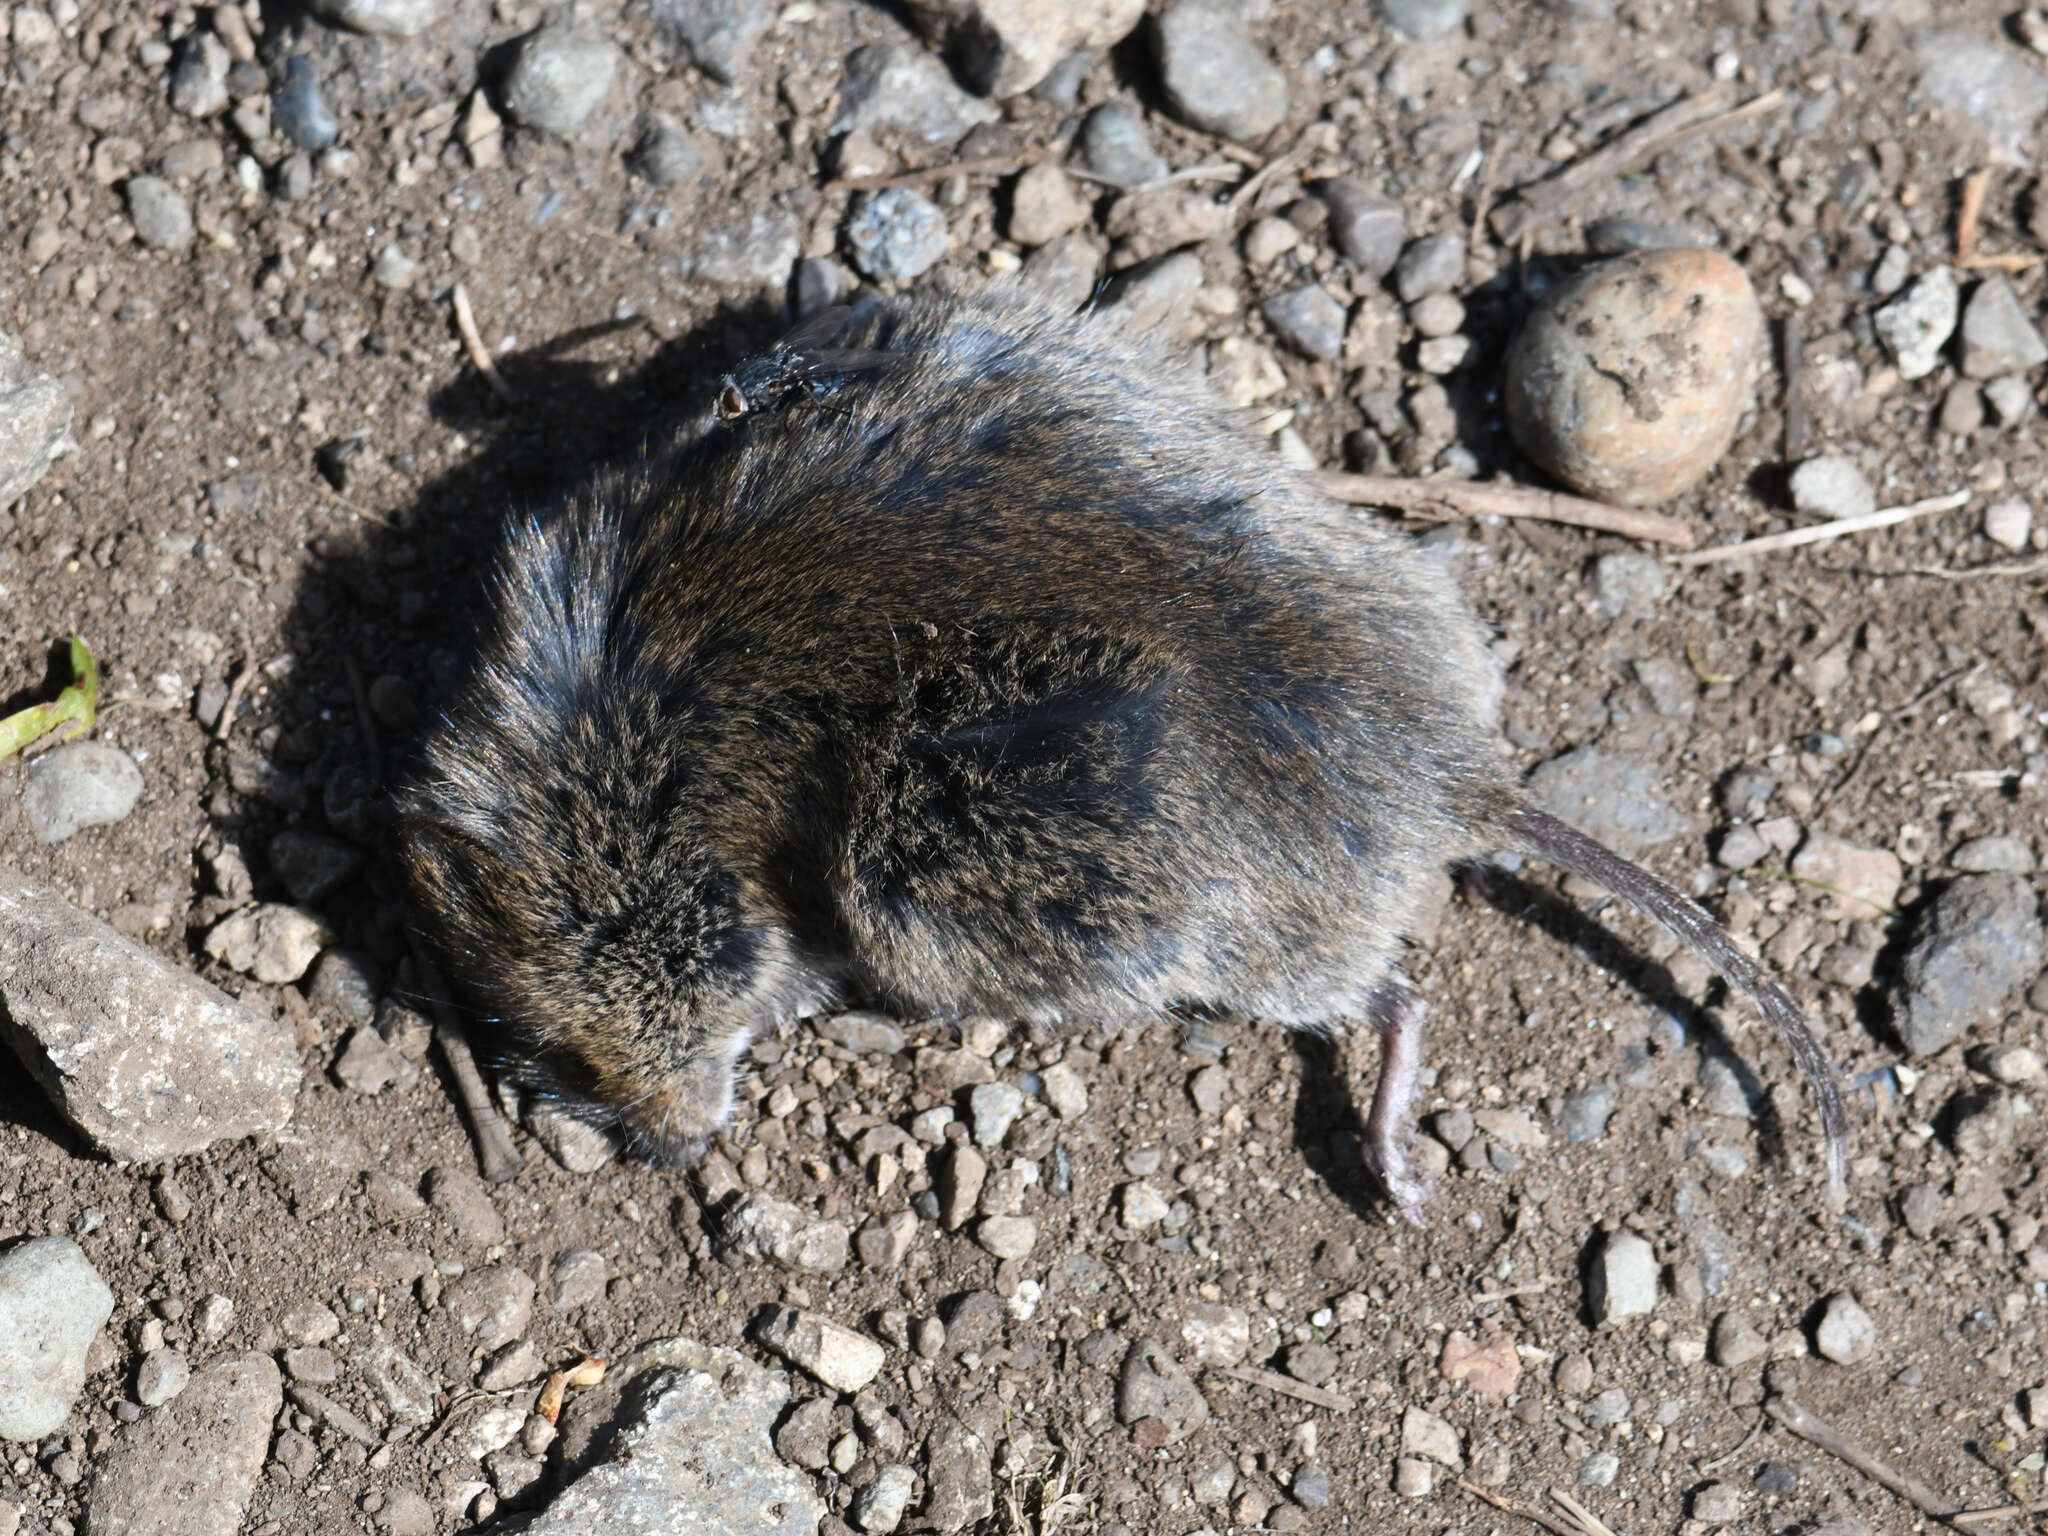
(998,670)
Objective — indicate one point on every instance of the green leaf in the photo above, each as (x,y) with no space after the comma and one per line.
(75,706)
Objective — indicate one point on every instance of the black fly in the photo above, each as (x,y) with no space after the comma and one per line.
(802,364)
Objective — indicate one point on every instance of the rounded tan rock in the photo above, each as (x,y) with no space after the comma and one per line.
(1629,381)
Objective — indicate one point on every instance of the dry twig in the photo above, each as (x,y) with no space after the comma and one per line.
(1741,1445)
(1286,1386)
(473,344)
(1814,1431)
(988,165)
(1527,1288)
(236,689)
(1999,1512)
(497,1155)
(1448,500)
(1591,1523)
(1969,209)
(1516,1507)
(1246,191)
(1820,533)
(1973,572)
(1684,119)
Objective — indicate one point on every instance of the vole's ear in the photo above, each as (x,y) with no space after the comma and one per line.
(464,882)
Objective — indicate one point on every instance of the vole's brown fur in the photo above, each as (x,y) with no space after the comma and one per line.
(1007,675)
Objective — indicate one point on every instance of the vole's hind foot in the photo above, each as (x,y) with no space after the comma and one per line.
(1400,1016)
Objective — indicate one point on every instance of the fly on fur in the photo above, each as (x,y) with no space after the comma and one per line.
(803,364)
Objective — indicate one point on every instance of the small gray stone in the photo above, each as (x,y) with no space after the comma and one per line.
(576,1144)
(718,35)
(804,1439)
(494,1305)
(576,1279)
(393,269)
(879,1507)
(1583,1116)
(148,1062)
(1846,1334)
(695,1449)
(1608,1407)
(306,1362)
(1735,1342)
(753,252)
(993,1108)
(842,1359)
(1617,801)
(1145,296)
(960,1186)
(1311,1485)
(1995,855)
(1623,1279)
(159,212)
(1045,204)
(1140,1205)
(298,110)
(1065,270)
(1424,20)
(1986,84)
(193,1461)
(275,944)
(664,154)
(2008,1064)
(380,18)
(1114,145)
(1628,585)
(1726,1088)
(1412,1477)
(868,1034)
(311,866)
(1741,847)
(1915,326)
(1717,1504)
(1618,234)
(1307,319)
(199,77)
(35,423)
(162,1375)
(822,282)
(897,234)
(1215,1334)
(1920,1209)
(2011,399)
(885,1240)
(1433,264)
(1832,486)
(764,1228)
(1214,77)
(1425,1435)
(959,1478)
(343,984)
(896,85)
(368,1064)
(559,79)
(1003,48)
(1007,1237)
(53,1304)
(1981,942)
(1151,1385)
(1997,336)
(83,784)
(1981,1123)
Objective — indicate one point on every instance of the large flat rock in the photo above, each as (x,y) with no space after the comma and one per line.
(145,1059)
(189,1468)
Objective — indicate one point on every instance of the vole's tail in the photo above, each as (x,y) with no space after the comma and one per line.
(1571,850)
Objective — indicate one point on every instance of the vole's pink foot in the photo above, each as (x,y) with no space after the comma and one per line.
(1400,1017)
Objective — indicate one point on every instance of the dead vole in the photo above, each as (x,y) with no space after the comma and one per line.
(971,658)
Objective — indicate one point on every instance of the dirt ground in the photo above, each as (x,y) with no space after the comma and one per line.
(194,535)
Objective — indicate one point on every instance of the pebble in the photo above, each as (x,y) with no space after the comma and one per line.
(83,784)
(2011,399)
(719,36)
(577,1144)
(960,1187)
(1962,409)
(1861,882)
(1717,1504)
(1735,1342)
(35,422)
(1610,798)
(1997,335)
(1214,77)
(576,1279)
(1628,382)
(380,18)
(1726,1089)
(1987,84)
(53,1304)
(1307,319)
(2009,522)
(664,154)
(460,1198)
(369,1065)
(1153,1390)
(885,1240)
(1609,1407)
(1140,1205)
(1583,1117)
(1994,855)
(1313,1362)
(1832,485)
(559,78)
(1622,1281)
(1149,224)
(1368,229)
(493,1305)
(298,110)
(764,1228)
(696,1450)
(1441,356)
(1268,239)
(1617,235)
(1980,1123)
(308,1363)
(148,1062)
(312,866)
(1311,1486)
(880,1506)
(1045,204)
(907,88)
(896,234)
(1628,585)
(1980,943)
(393,269)
(1433,264)
(1438,315)
(1431,1438)
(195,1460)
(755,252)
(1002,48)
(1599,1470)
(199,77)
(1920,1209)
(1215,1334)
(842,1359)
(343,983)
(1846,1334)
(1424,20)
(1741,847)
(161,1376)
(159,212)
(993,1108)
(1008,1237)
(1915,326)
(1115,145)
(272,943)
(959,1477)
(1145,296)
(1064,1091)
(1412,1478)
(1064,271)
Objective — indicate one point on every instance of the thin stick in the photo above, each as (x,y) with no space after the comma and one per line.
(1796,431)
(1790,1413)
(1594,1525)
(2002,261)
(1741,1445)
(1242,195)
(1448,500)
(1515,1507)
(1820,533)
(236,689)
(1972,572)
(473,344)
(1969,209)
(1204,172)
(497,1155)
(1683,119)
(1527,1288)
(1286,1386)
(1998,1512)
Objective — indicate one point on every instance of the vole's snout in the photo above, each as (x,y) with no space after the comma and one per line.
(673,1126)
